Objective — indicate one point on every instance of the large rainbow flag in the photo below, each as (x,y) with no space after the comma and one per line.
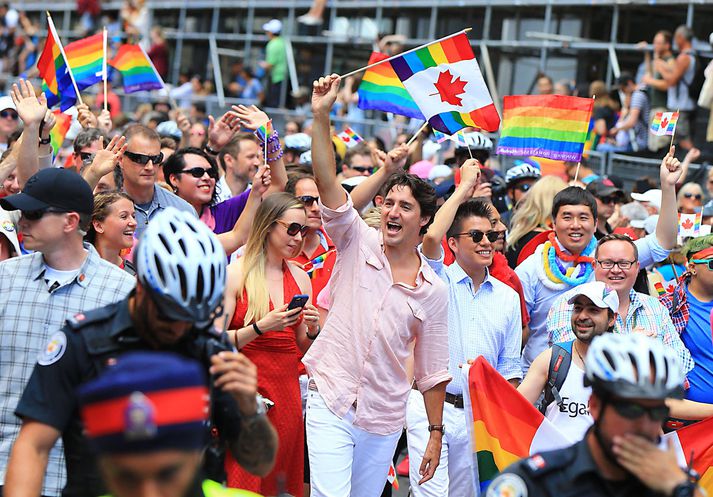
(696,439)
(86,58)
(550,126)
(52,66)
(444,80)
(136,69)
(381,89)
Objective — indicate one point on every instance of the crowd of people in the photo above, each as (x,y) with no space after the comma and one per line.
(189,302)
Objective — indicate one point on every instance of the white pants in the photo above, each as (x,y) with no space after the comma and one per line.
(454,475)
(345,460)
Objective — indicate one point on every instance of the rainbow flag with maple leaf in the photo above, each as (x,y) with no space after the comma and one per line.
(55,72)
(444,80)
(690,224)
(381,89)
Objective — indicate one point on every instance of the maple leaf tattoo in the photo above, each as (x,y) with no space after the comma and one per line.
(449,89)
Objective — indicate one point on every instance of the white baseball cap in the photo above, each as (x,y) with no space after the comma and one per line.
(648,224)
(7,103)
(599,293)
(274,26)
(651,196)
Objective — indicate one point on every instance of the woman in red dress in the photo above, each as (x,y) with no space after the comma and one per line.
(259,288)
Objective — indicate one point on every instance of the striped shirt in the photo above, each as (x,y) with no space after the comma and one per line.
(29,315)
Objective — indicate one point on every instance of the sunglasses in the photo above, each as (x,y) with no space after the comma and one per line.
(144,159)
(9,113)
(631,410)
(708,262)
(38,214)
(87,157)
(294,228)
(525,187)
(611,199)
(308,200)
(361,169)
(697,196)
(199,172)
(477,235)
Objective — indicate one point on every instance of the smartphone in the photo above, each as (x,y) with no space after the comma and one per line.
(298,301)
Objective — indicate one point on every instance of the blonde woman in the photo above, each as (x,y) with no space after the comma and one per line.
(690,198)
(532,216)
(259,287)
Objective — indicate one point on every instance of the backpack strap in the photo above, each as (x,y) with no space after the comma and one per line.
(557,373)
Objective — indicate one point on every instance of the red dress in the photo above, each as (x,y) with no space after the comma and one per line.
(276,356)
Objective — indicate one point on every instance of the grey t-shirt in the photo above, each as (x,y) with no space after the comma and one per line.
(162,198)
(640,100)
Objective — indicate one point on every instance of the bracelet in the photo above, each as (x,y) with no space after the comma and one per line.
(441,428)
(257,330)
(45,141)
(210,150)
(276,158)
(319,330)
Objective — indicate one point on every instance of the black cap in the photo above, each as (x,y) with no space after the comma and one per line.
(603,187)
(60,189)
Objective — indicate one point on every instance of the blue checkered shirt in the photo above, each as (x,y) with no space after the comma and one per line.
(29,315)
(644,312)
(485,322)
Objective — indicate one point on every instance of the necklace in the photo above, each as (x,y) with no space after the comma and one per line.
(574,345)
(554,274)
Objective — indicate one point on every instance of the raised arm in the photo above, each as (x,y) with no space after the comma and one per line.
(31,110)
(391,163)
(105,160)
(324,94)
(667,225)
(470,172)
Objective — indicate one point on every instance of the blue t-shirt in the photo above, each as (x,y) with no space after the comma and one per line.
(697,338)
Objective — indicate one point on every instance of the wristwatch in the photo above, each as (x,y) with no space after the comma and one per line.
(684,489)
(441,428)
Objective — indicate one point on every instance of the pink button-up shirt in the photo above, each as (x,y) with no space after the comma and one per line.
(361,353)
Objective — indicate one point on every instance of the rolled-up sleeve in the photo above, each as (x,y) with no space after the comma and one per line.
(650,250)
(431,350)
(436,264)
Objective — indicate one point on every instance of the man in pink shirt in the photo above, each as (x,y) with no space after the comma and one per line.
(385,299)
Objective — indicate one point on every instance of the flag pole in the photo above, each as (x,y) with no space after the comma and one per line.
(104,71)
(674,130)
(64,56)
(415,135)
(466,143)
(170,98)
(403,53)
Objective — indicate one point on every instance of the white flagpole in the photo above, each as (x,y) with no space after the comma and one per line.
(170,98)
(105,76)
(66,61)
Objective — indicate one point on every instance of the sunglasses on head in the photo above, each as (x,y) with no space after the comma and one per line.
(708,262)
(308,200)
(144,159)
(294,228)
(632,410)
(198,172)
(362,169)
(477,235)
(38,214)
(697,196)
(9,113)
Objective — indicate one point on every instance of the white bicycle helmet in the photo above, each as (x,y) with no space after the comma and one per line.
(182,265)
(476,141)
(633,366)
(522,170)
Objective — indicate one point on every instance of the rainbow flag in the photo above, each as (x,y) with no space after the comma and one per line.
(136,69)
(265,131)
(86,58)
(444,80)
(504,426)
(664,123)
(550,126)
(456,138)
(54,71)
(381,89)
(350,137)
(60,129)
(690,224)
(660,290)
(696,439)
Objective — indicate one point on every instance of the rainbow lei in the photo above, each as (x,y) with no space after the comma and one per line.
(555,275)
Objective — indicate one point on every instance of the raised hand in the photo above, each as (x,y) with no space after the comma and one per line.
(250,117)
(107,158)
(220,132)
(86,117)
(104,122)
(670,169)
(30,108)
(183,123)
(470,176)
(261,180)
(324,94)
(48,123)
(396,158)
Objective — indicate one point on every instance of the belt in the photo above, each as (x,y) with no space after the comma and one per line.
(456,400)
(311,385)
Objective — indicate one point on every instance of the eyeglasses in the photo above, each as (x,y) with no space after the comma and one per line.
(198,172)
(524,187)
(608,200)
(38,214)
(361,169)
(294,228)
(631,410)
(709,262)
(697,196)
(308,200)
(144,159)
(623,265)
(477,235)
(9,113)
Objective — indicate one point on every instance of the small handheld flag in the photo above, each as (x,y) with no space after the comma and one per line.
(664,123)
(86,58)
(265,131)
(350,137)
(136,69)
(58,133)
(689,224)
(58,83)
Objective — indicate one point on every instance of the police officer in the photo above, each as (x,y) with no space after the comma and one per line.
(181,279)
(145,418)
(619,455)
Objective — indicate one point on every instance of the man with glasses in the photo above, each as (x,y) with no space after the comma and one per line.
(38,292)
(357,162)
(617,265)
(631,377)
(473,330)
(9,120)
(607,196)
(172,310)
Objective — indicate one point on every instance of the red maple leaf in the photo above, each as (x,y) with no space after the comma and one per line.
(449,88)
(670,289)
(687,224)
(664,123)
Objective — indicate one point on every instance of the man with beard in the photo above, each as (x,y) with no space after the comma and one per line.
(594,312)
(631,377)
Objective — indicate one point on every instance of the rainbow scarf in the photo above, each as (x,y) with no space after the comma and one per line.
(555,275)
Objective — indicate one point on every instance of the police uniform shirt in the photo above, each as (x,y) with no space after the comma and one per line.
(567,472)
(93,341)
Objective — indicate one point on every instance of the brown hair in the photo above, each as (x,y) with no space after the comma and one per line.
(102,208)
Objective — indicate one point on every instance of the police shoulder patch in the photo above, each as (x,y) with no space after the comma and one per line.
(507,485)
(54,350)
